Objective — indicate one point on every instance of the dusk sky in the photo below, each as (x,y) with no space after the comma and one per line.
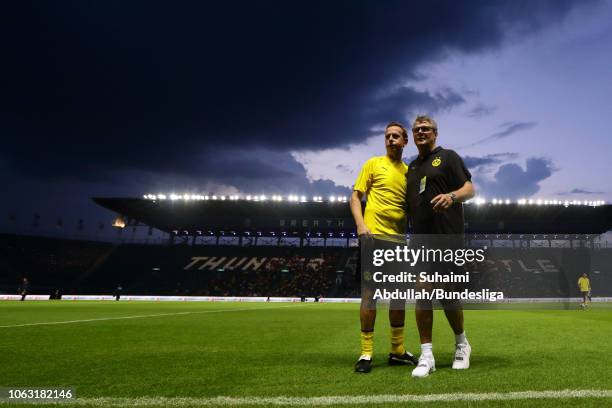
(123,98)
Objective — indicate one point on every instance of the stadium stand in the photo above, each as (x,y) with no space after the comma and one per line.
(82,267)
(227,271)
(284,248)
(50,264)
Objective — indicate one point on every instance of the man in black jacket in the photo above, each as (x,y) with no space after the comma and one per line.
(437,184)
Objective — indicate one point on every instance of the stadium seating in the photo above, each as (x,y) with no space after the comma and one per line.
(85,267)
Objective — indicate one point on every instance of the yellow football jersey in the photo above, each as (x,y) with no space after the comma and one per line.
(384,183)
(584,284)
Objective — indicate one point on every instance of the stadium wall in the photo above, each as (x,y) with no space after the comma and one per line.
(259,299)
(87,268)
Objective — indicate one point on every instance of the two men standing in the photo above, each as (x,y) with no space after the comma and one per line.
(434,186)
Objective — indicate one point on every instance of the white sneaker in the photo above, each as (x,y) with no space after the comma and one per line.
(462,356)
(427,364)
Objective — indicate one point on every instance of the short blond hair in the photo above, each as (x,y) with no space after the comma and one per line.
(399,125)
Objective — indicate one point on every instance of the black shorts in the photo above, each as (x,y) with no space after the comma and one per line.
(372,275)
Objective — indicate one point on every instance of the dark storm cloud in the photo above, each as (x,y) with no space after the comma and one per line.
(344,168)
(249,171)
(96,91)
(513,182)
(579,191)
(473,162)
(405,103)
(482,110)
(508,129)
(480,163)
(265,171)
(511,128)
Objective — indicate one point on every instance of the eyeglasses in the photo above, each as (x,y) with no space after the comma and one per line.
(423,129)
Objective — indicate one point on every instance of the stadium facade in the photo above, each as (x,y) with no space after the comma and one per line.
(295,248)
(249,219)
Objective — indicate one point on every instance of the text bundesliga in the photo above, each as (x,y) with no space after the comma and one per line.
(437,294)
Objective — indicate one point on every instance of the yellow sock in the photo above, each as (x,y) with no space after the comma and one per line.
(367,343)
(397,340)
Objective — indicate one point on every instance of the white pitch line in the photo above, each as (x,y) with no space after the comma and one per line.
(144,316)
(330,400)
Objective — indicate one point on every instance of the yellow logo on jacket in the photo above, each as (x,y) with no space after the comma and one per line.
(436,162)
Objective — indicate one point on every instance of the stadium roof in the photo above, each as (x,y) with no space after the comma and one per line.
(333,218)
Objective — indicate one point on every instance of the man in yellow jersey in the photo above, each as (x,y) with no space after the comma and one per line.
(584,284)
(383,180)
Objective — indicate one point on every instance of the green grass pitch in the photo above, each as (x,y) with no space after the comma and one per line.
(204,350)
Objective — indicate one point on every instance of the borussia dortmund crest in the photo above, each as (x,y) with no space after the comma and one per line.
(436,162)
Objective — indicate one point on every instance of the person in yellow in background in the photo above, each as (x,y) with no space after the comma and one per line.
(383,181)
(584,284)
